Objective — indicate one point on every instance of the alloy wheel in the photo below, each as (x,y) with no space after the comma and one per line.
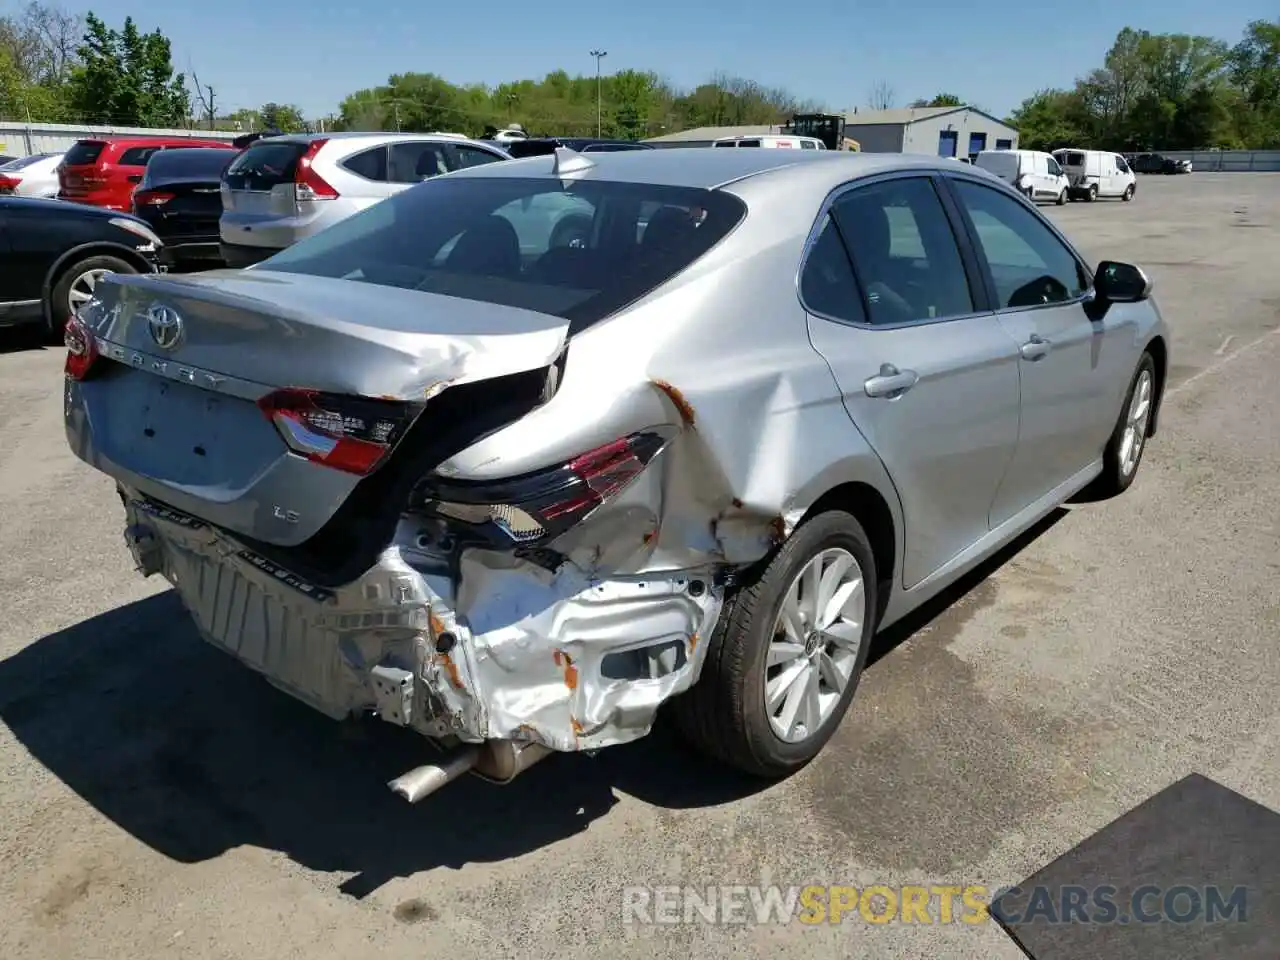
(814,644)
(1137,420)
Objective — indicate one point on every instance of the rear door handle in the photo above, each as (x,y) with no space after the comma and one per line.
(1035,348)
(890,382)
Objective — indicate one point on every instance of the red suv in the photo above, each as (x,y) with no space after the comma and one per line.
(103,173)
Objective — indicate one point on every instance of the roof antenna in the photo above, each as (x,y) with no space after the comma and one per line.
(566,162)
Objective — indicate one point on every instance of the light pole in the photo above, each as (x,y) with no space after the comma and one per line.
(599,55)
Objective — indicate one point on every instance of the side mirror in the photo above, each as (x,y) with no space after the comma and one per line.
(1121,282)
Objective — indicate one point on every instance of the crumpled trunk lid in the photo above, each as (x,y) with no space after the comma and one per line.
(173,413)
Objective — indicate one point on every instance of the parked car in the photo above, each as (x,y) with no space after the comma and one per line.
(1097,173)
(33,176)
(6,158)
(541,146)
(1159,163)
(283,189)
(56,253)
(517,500)
(784,142)
(180,196)
(1032,173)
(103,172)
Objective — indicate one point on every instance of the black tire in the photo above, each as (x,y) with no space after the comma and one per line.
(1128,193)
(57,309)
(1062,197)
(1113,480)
(1092,194)
(724,714)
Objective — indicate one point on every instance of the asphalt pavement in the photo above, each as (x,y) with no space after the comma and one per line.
(158,800)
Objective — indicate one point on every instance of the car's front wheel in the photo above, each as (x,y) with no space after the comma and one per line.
(1062,197)
(75,286)
(787,654)
(1123,453)
(1128,193)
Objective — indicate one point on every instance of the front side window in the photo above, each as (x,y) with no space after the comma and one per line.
(472,157)
(904,251)
(580,250)
(1121,165)
(1029,264)
(1054,169)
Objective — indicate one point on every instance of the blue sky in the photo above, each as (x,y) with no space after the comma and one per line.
(314,52)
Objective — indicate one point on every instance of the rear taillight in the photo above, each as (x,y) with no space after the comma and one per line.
(307,184)
(9,184)
(82,349)
(353,434)
(151,198)
(539,507)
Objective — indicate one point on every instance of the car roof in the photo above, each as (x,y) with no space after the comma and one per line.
(706,168)
(53,207)
(368,135)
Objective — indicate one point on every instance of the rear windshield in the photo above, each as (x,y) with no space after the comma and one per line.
(195,163)
(23,162)
(264,165)
(83,152)
(579,251)
(1070,158)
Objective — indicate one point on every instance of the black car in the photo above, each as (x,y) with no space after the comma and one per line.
(54,252)
(180,197)
(541,146)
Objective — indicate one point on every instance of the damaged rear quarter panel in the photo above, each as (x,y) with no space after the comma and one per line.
(722,353)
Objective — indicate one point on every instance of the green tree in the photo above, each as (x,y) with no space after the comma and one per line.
(941,100)
(284,117)
(126,77)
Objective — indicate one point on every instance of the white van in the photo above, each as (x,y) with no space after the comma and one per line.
(1097,173)
(776,141)
(1030,172)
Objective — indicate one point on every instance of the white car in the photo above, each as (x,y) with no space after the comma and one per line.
(1097,173)
(282,189)
(33,176)
(1032,173)
(775,141)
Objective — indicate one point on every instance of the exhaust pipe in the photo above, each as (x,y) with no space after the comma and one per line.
(498,761)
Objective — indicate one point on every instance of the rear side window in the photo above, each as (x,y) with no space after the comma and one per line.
(412,162)
(904,251)
(728,143)
(370,164)
(264,165)
(137,156)
(169,166)
(748,143)
(83,152)
(827,284)
(572,250)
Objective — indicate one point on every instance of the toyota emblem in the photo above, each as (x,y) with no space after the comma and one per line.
(165,325)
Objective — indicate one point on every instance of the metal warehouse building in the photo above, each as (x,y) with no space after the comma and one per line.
(946,131)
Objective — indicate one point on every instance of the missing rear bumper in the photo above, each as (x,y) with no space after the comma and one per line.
(502,651)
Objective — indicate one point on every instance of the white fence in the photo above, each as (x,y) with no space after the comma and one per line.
(23,139)
(1228,161)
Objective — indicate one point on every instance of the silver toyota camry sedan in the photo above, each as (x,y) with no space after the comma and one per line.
(520,455)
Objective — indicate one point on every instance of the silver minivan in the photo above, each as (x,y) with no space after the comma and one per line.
(282,189)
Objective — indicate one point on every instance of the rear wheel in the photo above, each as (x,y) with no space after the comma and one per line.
(787,653)
(1092,195)
(75,286)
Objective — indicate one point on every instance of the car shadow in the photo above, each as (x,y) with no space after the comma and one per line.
(193,754)
(23,337)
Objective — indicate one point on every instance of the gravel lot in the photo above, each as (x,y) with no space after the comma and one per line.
(158,800)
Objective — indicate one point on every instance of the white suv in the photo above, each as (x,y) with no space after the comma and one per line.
(282,189)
